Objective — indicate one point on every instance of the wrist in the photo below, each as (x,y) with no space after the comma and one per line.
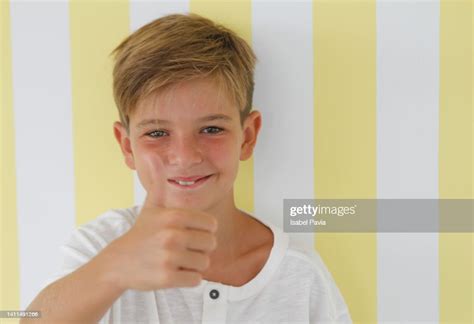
(107,270)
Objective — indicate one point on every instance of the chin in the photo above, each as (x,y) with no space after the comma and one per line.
(189,204)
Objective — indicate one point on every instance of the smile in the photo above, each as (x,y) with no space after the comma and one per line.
(189,184)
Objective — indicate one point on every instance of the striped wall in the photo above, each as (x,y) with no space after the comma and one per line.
(456,142)
(43,136)
(344,140)
(9,256)
(93,107)
(407,151)
(284,95)
(360,99)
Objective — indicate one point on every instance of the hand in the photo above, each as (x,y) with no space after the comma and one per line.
(166,247)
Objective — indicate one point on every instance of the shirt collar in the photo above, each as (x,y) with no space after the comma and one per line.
(256,284)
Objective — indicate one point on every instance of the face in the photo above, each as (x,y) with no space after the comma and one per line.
(188,141)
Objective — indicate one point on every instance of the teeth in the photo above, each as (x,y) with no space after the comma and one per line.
(185,183)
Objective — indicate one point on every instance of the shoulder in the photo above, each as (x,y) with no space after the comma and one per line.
(93,236)
(108,226)
(305,264)
(113,221)
(87,240)
(306,256)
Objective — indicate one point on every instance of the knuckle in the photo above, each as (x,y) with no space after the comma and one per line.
(166,276)
(167,261)
(204,262)
(196,279)
(169,238)
(209,220)
(174,217)
(214,224)
(213,242)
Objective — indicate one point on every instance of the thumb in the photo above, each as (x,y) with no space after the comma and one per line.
(156,195)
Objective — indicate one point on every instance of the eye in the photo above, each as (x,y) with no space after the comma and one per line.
(156,133)
(213,130)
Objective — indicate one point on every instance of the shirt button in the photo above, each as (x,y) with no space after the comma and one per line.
(214,294)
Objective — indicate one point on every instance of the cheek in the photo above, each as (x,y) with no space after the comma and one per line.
(152,149)
(224,154)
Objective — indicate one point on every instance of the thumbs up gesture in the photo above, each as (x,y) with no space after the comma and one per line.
(166,247)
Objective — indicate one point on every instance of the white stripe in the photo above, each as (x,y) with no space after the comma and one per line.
(407,153)
(43,133)
(284,168)
(141,13)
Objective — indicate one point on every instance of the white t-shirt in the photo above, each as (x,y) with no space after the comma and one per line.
(294,286)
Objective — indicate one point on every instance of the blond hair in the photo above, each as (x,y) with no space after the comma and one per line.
(177,48)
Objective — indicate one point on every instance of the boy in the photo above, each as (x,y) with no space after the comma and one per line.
(183,86)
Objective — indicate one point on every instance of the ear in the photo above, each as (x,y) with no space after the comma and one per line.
(123,139)
(251,127)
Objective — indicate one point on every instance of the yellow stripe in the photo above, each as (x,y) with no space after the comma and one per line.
(9,269)
(236,15)
(345,140)
(455,157)
(102,180)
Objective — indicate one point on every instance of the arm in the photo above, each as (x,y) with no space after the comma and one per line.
(83,296)
(168,251)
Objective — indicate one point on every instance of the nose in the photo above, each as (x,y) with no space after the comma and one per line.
(184,152)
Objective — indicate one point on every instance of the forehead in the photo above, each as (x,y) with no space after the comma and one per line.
(192,99)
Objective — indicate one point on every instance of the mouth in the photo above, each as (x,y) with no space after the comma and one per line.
(189,184)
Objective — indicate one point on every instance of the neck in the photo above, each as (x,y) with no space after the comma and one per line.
(231,222)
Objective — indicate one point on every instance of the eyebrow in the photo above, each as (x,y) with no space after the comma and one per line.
(147,122)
